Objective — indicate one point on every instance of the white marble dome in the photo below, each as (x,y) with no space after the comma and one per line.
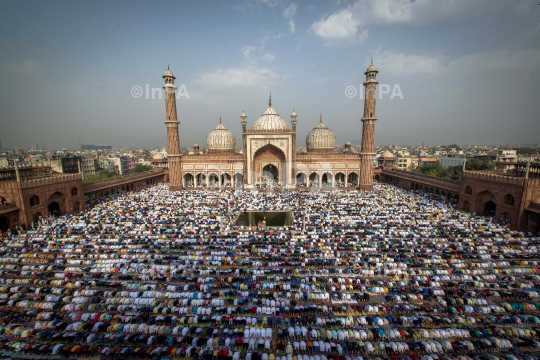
(320,138)
(158,156)
(220,139)
(270,120)
(387,154)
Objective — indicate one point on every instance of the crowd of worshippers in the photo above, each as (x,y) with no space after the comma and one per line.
(387,274)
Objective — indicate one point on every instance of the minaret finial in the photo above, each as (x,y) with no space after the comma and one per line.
(270,100)
(168,66)
(321,118)
(371,61)
(220,119)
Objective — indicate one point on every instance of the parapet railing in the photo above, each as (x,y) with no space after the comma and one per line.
(492,176)
(130,177)
(50,180)
(229,157)
(450,181)
(316,157)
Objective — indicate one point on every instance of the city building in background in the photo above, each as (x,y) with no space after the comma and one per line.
(96,147)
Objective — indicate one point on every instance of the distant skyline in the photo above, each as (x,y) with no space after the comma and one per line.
(468,70)
(354,143)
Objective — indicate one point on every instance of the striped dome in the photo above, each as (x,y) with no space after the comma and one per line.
(221,139)
(321,138)
(270,120)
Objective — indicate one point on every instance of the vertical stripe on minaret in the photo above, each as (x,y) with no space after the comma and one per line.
(173,139)
(368,130)
(243,122)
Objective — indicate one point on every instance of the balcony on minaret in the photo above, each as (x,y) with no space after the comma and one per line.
(169,78)
(371,75)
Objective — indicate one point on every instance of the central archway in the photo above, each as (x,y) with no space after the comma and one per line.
(271,172)
(269,155)
(56,204)
(489,208)
(54,209)
(4,223)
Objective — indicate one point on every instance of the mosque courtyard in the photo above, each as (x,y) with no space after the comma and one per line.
(386,274)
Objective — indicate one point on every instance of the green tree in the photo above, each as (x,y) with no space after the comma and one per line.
(483,163)
(436,169)
(453,146)
(101,176)
(140,168)
(526,150)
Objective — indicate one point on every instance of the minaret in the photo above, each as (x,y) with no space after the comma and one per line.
(294,122)
(368,130)
(173,140)
(243,122)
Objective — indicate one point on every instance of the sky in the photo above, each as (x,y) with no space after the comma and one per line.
(450,71)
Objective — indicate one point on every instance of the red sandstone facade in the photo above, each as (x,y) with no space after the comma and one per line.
(512,197)
(368,130)
(173,139)
(269,149)
(34,192)
(35,197)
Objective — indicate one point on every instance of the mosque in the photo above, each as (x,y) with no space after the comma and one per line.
(269,151)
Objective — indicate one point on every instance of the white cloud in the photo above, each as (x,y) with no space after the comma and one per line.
(288,13)
(246,51)
(320,80)
(339,29)
(342,26)
(422,12)
(249,76)
(436,64)
(270,3)
(292,27)
(402,64)
(270,36)
(268,57)
(252,7)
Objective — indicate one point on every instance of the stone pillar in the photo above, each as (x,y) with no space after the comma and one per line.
(207,181)
(173,140)
(195,181)
(294,122)
(368,130)
(79,167)
(333,180)
(17,175)
(346,179)
(219,181)
(245,156)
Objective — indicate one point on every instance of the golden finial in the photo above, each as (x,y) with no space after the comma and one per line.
(220,119)
(270,100)
(321,117)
